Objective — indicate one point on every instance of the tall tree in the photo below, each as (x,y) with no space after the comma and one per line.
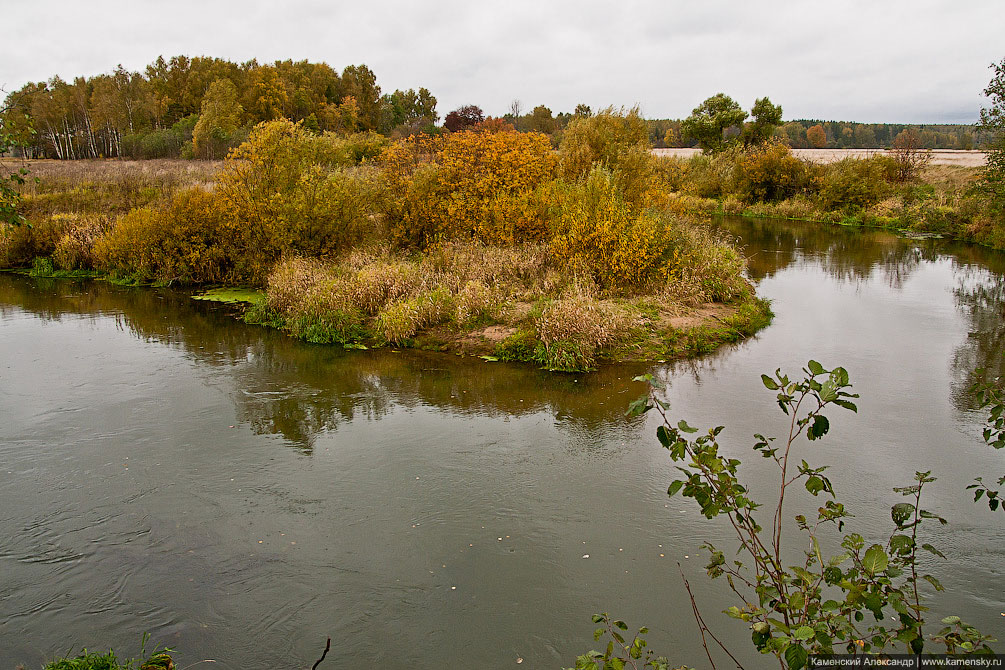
(408,108)
(10,178)
(766,118)
(463,117)
(993,126)
(219,118)
(542,121)
(816,136)
(359,82)
(710,120)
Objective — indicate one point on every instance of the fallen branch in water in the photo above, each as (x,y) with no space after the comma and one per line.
(318,662)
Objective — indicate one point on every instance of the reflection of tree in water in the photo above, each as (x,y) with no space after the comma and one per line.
(847,254)
(298,391)
(980,296)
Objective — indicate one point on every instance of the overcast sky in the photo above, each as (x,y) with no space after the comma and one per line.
(872,61)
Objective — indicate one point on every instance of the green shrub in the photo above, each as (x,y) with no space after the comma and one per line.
(711,176)
(771,173)
(855,183)
(609,138)
(42,267)
(846,594)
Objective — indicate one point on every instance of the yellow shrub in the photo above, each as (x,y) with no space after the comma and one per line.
(20,245)
(291,194)
(597,232)
(75,248)
(188,241)
(472,184)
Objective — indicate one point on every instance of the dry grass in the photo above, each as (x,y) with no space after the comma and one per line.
(108,186)
(562,321)
(573,329)
(60,175)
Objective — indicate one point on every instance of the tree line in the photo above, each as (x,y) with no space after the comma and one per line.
(200,107)
(819,134)
(157,113)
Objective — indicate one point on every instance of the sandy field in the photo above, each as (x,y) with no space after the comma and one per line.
(939,156)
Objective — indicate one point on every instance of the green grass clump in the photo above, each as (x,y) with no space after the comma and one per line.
(89,660)
(338,326)
(520,347)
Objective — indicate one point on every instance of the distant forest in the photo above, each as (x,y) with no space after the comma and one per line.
(200,107)
(818,134)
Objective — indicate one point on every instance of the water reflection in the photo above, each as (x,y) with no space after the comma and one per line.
(357,488)
(846,254)
(858,255)
(980,296)
(299,391)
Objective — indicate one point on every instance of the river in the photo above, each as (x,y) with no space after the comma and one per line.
(242,496)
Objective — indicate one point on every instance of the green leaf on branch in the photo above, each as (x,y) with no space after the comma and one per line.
(934,582)
(796,657)
(819,427)
(814,485)
(803,633)
(901,544)
(875,560)
(639,407)
(769,383)
(901,512)
(929,548)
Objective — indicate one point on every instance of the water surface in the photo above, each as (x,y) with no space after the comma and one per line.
(242,496)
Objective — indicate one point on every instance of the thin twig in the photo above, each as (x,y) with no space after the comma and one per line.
(205,660)
(327,647)
(702,627)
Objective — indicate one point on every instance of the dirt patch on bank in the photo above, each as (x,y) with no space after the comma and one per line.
(710,314)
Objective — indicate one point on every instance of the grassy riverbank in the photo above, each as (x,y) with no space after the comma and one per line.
(902,192)
(508,304)
(485,241)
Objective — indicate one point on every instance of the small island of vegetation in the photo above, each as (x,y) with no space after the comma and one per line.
(484,241)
